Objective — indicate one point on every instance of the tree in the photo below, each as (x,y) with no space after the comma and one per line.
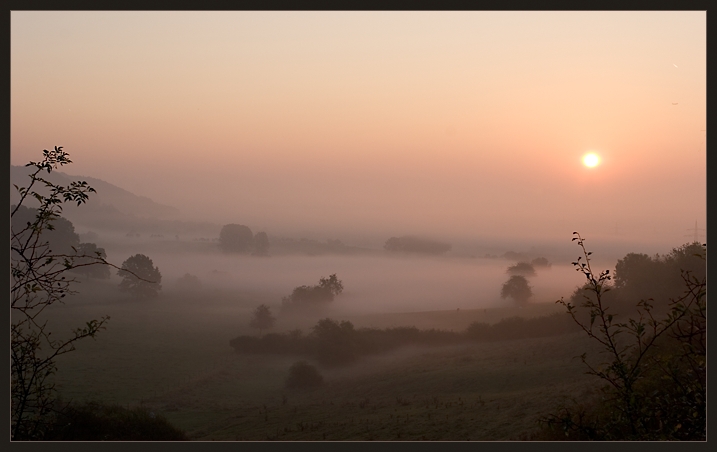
(236,238)
(92,271)
(517,288)
(521,268)
(38,280)
(261,244)
(262,318)
(140,277)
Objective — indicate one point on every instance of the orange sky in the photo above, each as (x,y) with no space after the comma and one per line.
(440,123)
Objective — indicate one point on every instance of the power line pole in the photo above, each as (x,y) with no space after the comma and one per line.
(696,232)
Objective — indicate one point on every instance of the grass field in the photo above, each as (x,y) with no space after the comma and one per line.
(175,358)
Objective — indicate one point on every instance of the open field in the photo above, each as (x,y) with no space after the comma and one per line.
(175,358)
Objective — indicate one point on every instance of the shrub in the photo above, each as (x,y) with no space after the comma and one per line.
(303,375)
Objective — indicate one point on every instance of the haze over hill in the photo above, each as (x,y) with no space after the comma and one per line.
(118,211)
(113,208)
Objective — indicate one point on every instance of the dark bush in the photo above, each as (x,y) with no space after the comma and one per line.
(303,375)
(99,422)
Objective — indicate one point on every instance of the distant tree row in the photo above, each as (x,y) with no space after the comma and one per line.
(335,343)
(411,244)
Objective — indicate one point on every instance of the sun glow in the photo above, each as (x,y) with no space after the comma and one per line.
(591,160)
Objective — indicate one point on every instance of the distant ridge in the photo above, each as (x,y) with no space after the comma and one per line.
(108,196)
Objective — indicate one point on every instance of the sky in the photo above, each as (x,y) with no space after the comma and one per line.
(441,124)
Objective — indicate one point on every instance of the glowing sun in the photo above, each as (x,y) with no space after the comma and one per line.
(591,160)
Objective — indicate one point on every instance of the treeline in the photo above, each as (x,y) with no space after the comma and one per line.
(331,342)
(657,279)
(411,244)
(61,239)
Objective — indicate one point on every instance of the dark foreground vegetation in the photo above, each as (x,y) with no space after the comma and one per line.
(652,366)
(94,421)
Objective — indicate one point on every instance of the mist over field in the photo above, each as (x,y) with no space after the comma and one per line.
(372,284)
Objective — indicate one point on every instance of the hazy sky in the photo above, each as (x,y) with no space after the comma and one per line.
(437,123)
